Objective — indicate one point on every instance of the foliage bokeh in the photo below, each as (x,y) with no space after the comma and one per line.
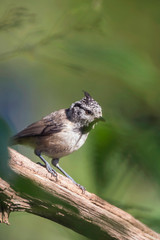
(52,50)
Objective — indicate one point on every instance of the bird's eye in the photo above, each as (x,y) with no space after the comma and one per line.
(88,112)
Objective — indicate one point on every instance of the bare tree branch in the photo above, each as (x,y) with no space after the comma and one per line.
(63,202)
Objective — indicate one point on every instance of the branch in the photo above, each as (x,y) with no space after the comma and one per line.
(63,202)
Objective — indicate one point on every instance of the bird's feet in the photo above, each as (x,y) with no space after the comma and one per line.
(49,168)
(81,187)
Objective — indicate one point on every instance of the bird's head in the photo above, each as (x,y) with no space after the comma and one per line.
(85,111)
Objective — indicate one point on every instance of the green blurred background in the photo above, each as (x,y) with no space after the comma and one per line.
(52,50)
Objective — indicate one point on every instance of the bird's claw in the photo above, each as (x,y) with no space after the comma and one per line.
(49,169)
(81,187)
(40,164)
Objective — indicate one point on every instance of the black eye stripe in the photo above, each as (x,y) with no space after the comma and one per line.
(85,109)
(78,105)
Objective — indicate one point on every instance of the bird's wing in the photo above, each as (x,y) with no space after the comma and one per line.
(45,126)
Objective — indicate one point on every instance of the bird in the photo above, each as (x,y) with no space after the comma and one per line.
(61,132)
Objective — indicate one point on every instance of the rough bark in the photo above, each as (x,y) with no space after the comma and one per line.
(63,202)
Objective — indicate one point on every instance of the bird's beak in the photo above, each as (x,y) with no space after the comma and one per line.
(101,119)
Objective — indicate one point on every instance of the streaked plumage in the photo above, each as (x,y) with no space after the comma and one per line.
(61,132)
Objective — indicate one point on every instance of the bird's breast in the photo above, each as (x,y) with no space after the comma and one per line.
(73,140)
(79,141)
(62,143)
